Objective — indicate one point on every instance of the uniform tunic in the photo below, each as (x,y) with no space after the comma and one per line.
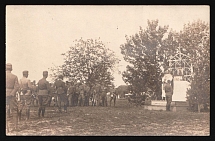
(12,86)
(71,92)
(26,87)
(61,93)
(43,91)
(169,92)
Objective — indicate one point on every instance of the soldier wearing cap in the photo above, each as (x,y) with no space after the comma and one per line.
(60,88)
(12,86)
(26,97)
(43,93)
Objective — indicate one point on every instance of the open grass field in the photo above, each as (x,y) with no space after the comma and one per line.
(114,121)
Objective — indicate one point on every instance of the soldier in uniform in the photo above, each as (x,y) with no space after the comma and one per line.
(169,92)
(71,94)
(104,95)
(43,94)
(60,88)
(26,88)
(34,93)
(81,96)
(113,97)
(98,94)
(86,95)
(12,86)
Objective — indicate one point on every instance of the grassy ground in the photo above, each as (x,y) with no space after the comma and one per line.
(115,121)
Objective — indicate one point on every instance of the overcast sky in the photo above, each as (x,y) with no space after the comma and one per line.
(37,35)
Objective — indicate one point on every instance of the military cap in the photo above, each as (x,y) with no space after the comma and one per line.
(45,72)
(25,72)
(9,66)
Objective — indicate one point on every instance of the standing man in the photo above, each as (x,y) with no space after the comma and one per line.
(86,95)
(76,94)
(25,87)
(113,97)
(60,88)
(71,94)
(12,86)
(81,97)
(34,93)
(169,93)
(43,93)
(98,94)
(104,94)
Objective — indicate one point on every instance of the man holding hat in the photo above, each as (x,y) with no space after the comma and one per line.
(12,86)
(26,88)
(43,93)
(60,88)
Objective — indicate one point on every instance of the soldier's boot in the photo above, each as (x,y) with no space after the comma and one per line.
(43,112)
(39,111)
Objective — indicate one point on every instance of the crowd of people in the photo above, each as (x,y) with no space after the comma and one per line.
(21,94)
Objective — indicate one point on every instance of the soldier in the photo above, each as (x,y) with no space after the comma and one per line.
(113,97)
(43,93)
(86,95)
(104,95)
(98,94)
(71,94)
(53,94)
(81,96)
(60,88)
(93,97)
(169,92)
(34,93)
(26,88)
(12,86)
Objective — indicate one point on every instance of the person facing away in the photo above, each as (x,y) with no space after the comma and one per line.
(60,88)
(34,94)
(71,94)
(43,94)
(12,86)
(26,89)
(169,92)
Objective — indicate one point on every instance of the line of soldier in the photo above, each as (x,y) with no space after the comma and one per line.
(20,94)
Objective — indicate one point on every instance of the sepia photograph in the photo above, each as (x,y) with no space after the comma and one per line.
(107,70)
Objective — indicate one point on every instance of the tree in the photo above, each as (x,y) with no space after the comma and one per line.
(141,51)
(88,61)
(195,39)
